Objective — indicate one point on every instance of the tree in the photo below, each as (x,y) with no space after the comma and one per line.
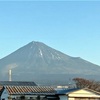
(84,83)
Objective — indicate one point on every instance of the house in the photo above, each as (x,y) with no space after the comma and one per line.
(20,90)
(78,94)
(26,92)
(30,91)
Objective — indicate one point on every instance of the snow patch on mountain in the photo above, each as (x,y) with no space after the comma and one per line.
(40,51)
(52,56)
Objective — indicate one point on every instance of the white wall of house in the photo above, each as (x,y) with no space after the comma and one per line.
(71,98)
(84,93)
(63,97)
(4,95)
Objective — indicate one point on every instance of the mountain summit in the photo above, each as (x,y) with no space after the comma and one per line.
(36,59)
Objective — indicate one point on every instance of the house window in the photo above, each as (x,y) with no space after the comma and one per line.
(22,97)
(31,98)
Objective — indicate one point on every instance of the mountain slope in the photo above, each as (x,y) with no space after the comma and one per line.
(36,58)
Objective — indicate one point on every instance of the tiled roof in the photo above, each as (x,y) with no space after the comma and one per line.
(30,90)
(17,83)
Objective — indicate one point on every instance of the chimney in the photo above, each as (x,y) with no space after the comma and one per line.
(10,75)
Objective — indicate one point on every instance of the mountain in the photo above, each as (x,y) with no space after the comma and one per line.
(39,62)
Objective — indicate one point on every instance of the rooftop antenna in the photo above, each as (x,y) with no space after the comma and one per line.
(10,75)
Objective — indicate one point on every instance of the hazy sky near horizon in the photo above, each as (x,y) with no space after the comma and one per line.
(72,27)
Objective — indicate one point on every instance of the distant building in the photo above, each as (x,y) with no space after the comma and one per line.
(62,87)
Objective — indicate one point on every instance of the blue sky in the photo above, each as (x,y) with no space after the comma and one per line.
(72,27)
